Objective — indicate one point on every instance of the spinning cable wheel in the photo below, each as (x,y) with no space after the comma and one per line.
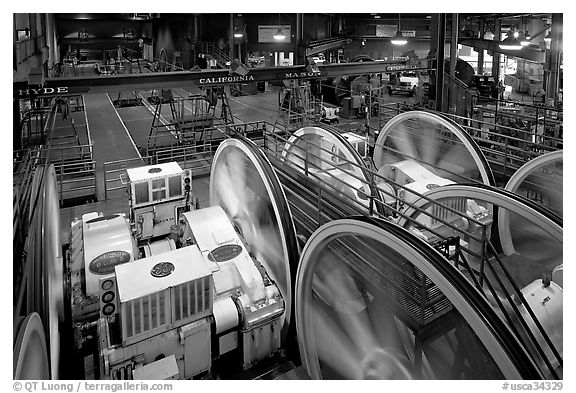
(331,159)
(40,330)
(528,240)
(374,302)
(540,180)
(436,143)
(31,359)
(244,184)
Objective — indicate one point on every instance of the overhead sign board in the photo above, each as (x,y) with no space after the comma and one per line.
(256,77)
(389,31)
(385,30)
(48,91)
(266,33)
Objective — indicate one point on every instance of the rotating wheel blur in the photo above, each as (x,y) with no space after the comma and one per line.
(540,180)
(30,355)
(53,270)
(537,233)
(521,246)
(328,157)
(436,143)
(368,297)
(244,184)
(45,281)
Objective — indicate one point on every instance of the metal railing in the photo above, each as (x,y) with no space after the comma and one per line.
(195,157)
(317,196)
(506,148)
(222,56)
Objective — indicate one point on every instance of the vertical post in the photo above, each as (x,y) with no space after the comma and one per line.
(453,89)
(555,52)
(319,206)
(505,154)
(496,55)
(482,255)
(439,23)
(299,50)
(495,115)
(306,160)
(480,69)
(231,37)
(105,185)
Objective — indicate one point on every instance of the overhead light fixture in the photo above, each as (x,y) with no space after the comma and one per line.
(510,43)
(238,34)
(398,38)
(279,35)
(376,16)
(525,36)
(525,41)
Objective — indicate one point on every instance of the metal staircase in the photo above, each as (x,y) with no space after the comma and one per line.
(212,51)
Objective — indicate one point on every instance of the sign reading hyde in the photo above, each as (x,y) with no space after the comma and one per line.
(42,91)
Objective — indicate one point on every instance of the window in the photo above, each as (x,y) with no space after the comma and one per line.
(158,189)
(158,195)
(158,183)
(175,186)
(141,193)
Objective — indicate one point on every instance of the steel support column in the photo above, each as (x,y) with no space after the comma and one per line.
(496,55)
(299,52)
(555,53)
(439,25)
(450,101)
(480,69)
(231,37)
(453,45)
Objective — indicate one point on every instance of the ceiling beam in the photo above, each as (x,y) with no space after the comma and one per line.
(157,80)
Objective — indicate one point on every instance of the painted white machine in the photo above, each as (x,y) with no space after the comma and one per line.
(197,303)
(159,194)
(409,175)
(358,142)
(98,243)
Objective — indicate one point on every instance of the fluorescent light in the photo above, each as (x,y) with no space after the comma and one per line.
(279,35)
(238,35)
(398,39)
(376,16)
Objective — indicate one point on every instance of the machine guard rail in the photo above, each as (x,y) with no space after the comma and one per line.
(75,170)
(505,147)
(328,195)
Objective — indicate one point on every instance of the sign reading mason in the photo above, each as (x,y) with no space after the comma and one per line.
(301,75)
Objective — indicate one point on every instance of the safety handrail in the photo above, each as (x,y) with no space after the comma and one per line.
(478,277)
